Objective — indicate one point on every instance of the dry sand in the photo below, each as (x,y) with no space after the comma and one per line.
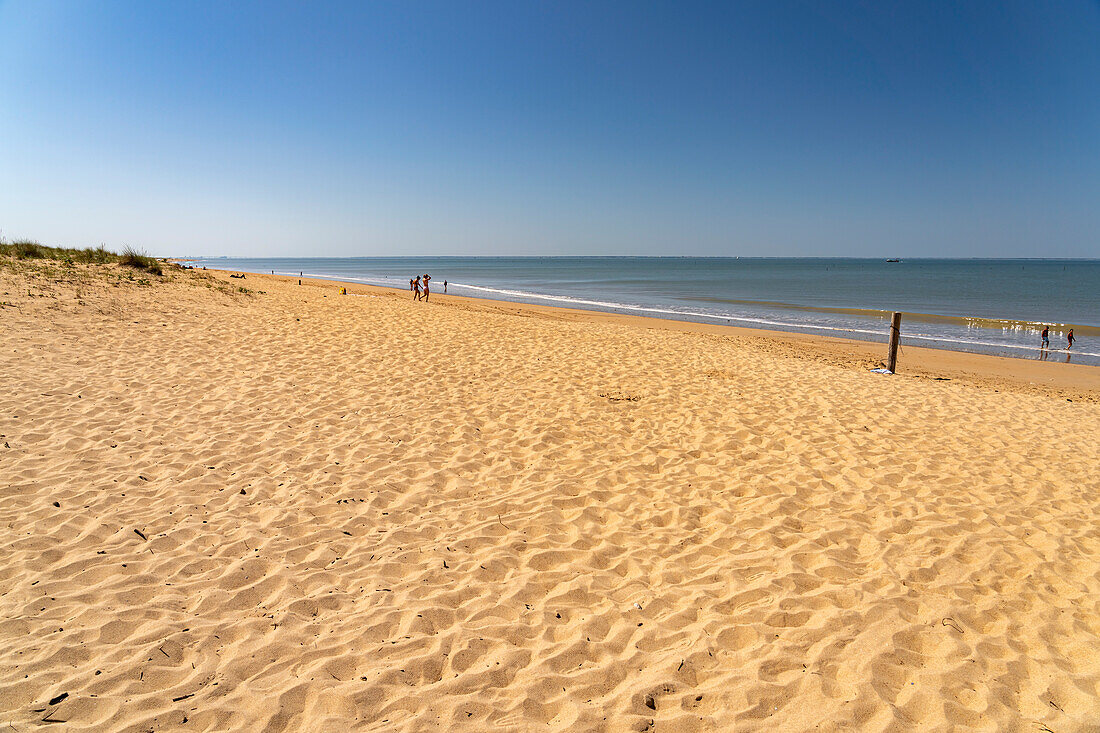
(300,511)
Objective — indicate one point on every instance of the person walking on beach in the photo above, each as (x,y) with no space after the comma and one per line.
(1069,340)
(444,287)
(1046,337)
(426,291)
(414,285)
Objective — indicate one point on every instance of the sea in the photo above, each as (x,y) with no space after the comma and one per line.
(991,306)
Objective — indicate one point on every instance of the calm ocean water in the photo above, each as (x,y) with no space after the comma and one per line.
(989,306)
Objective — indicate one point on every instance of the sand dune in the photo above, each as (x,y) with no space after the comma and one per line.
(300,511)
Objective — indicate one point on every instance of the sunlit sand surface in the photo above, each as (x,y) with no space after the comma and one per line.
(297,510)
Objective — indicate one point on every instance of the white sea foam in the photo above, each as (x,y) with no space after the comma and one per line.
(664,311)
(687,314)
(761,321)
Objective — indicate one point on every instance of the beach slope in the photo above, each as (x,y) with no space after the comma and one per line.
(252,505)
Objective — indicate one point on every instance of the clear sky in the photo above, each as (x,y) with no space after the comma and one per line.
(541,128)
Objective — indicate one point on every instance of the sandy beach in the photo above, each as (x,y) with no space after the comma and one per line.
(286,509)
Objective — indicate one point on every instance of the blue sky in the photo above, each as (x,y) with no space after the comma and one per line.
(405,128)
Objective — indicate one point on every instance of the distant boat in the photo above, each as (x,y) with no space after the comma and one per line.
(893,260)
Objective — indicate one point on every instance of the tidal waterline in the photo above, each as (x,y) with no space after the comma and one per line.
(980,305)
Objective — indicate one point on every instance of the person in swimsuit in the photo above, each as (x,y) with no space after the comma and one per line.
(1046,337)
(444,287)
(1069,339)
(414,285)
(426,291)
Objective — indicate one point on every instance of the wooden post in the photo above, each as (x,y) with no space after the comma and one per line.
(895,334)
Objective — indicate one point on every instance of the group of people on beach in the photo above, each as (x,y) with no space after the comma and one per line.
(1044,349)
(420,289)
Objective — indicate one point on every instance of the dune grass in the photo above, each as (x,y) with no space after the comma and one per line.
(84,267)
(28,249)
(131,257)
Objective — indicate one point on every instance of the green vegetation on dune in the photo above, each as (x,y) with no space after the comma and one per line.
(47,267)
(27,249)
(132,258)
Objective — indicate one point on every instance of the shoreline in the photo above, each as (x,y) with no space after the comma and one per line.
(1057,378)
(937,320)
(252,505)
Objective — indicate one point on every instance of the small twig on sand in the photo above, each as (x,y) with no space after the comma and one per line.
(502,524)
(950,623)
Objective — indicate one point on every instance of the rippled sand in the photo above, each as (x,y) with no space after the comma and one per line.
(300,511)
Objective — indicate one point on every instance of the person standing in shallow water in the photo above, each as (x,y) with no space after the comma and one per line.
(426,291)
(444,287)
(1046,342)
(1069,340)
